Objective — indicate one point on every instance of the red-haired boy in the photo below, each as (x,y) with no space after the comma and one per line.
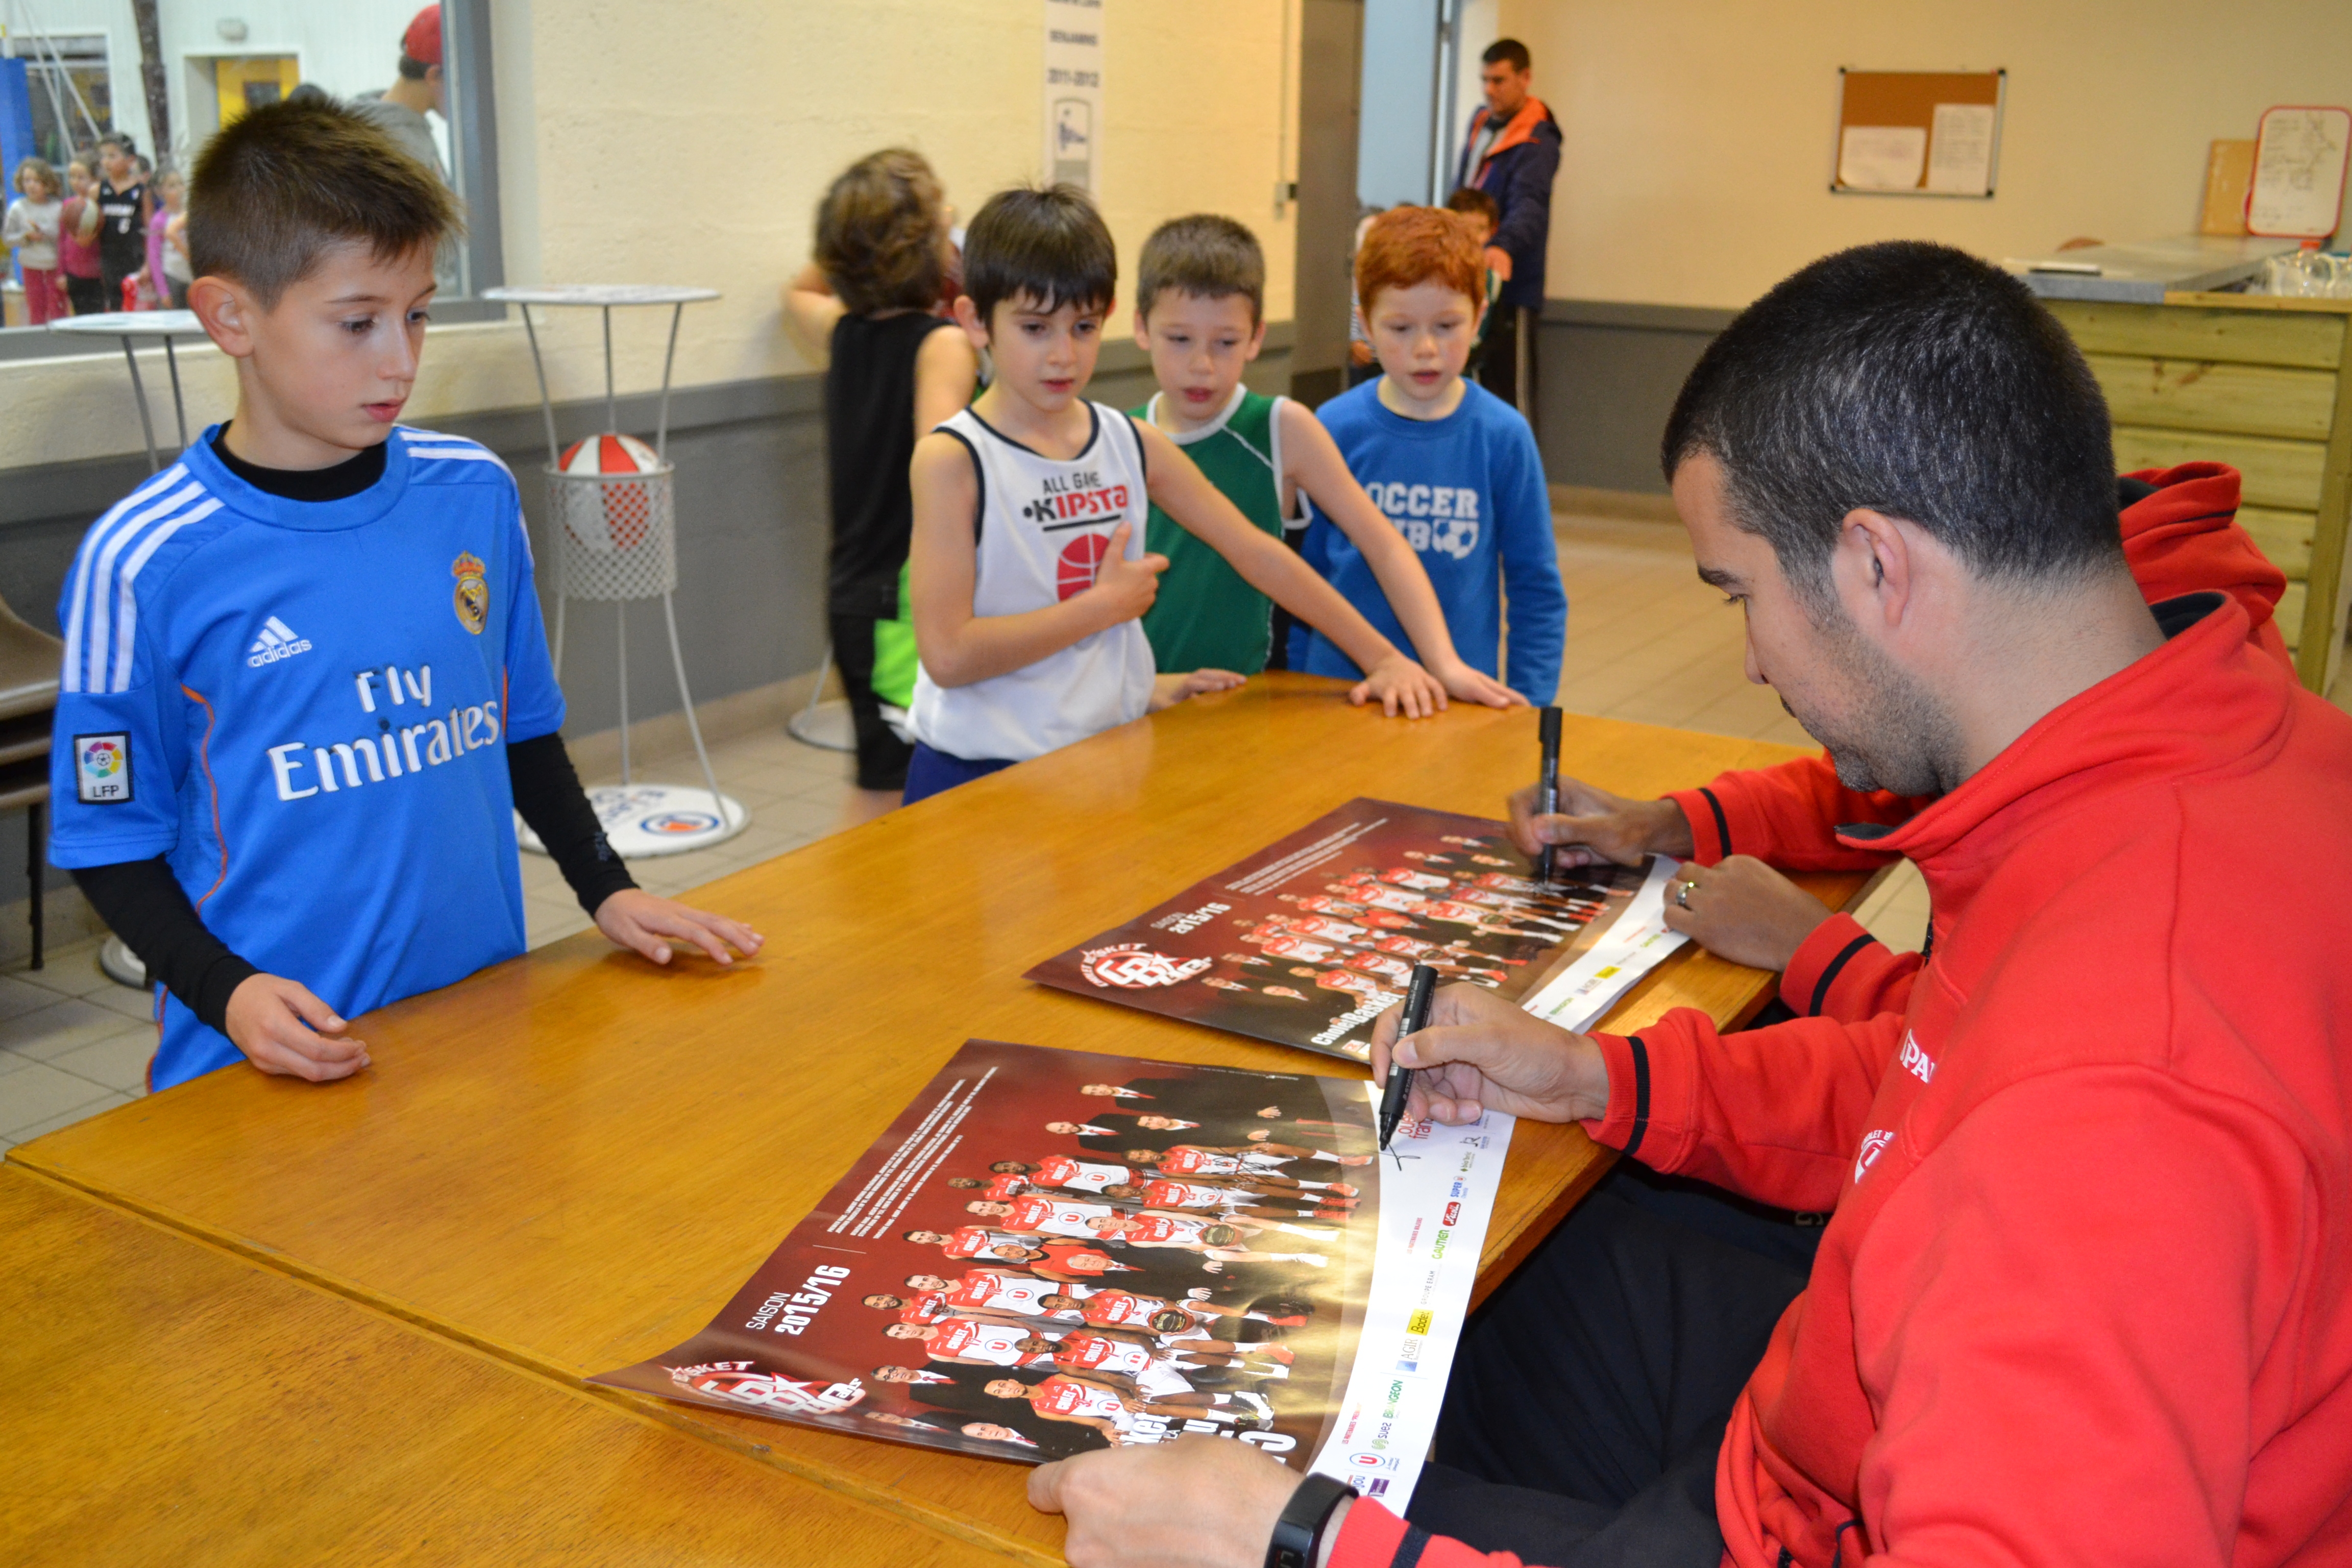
(1452,466)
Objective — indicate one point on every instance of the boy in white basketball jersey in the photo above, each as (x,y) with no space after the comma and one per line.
(1028,571)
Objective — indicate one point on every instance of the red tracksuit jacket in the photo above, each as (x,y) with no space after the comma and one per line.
(2184,539)
(2086,1294)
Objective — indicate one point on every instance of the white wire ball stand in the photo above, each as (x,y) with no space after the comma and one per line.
(615,542)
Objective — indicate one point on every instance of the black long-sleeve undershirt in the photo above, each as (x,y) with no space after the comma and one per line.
(143,903)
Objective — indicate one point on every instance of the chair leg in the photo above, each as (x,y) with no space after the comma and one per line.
(34,854)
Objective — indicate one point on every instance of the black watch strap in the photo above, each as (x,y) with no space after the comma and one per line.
(1301,1524)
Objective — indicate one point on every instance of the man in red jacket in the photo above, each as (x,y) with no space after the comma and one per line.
(1741,830)
(2085,1294)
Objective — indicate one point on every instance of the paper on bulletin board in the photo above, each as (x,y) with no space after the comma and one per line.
(1073,72)
(1959,151)
(1882,157)
(2299,171)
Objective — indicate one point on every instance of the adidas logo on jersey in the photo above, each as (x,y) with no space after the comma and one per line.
(276,641)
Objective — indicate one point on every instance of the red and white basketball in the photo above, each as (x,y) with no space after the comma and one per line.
(1081,559)
(627,507)
(609,454)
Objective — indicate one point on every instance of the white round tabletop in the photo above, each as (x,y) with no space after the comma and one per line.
(132,324)
(601,294)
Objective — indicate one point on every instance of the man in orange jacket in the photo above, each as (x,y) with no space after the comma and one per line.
(2180,536)
(2085,1294)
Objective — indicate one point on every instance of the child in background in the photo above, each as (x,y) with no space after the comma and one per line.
(1485,215)
(78,224)
(1029,573)
(865,309)
(1199,311)
(30,230)
(168,274)
(304,677)
(1452,466)
(126,203)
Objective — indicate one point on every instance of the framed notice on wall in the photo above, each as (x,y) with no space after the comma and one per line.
(1073,91)
(2298,172)
(1917,133)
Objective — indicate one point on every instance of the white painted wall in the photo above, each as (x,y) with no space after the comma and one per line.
(1698,132)
(688,141)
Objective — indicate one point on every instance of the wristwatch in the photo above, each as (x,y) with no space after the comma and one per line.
(1300,1529)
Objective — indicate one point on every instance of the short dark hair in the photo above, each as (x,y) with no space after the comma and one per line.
(877,233)
(411,69)
(1509,50)
(120,139)
(1206,255)
(1047,243)
(272,190)
(1476,202)
(1918,381)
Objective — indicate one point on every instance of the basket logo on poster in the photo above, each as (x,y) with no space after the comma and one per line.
(737,1381)
(1134,966)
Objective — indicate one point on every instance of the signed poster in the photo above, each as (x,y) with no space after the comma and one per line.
(1308,940)
(1055,1251)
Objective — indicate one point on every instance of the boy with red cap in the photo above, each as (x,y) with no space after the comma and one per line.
(422,86)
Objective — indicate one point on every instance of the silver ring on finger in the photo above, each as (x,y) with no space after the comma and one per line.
(1683,892)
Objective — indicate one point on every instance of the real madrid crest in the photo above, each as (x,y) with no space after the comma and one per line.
(473,595)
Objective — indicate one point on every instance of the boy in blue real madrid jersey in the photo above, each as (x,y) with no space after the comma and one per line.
(305,685)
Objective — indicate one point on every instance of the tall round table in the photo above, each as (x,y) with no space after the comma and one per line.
(615,537)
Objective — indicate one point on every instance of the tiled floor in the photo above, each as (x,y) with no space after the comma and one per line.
(1646,641)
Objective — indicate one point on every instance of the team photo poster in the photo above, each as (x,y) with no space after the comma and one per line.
(1308,940)
(1051,1252)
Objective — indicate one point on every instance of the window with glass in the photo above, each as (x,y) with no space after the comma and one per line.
(166,74)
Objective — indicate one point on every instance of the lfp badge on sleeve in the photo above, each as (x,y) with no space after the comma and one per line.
(102,769)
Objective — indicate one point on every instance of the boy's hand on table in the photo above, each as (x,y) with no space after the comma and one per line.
(639,921)
(1401,686)
(1167,690)
(1473,685)
(1478,1051)
(1198,1502)
(1742,909)
(1593,827)
(1125,588)
(283,1029)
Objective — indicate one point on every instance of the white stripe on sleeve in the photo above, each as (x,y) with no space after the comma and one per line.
(79,586)
(127,623)
(90,651)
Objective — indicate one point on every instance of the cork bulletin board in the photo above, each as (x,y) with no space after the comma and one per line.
(1920,133)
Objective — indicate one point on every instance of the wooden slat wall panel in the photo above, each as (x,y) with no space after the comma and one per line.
(2204,394)
(2285,537)
(2167,331)
(2290,613)
(2281,474)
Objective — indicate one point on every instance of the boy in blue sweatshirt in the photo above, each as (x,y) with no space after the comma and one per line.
(1452,466)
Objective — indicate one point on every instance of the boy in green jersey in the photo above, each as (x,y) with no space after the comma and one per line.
(1199,311)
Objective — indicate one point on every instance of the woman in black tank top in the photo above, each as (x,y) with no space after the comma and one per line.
(865,309)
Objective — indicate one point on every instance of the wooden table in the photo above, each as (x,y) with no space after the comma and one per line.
(166,1402)
(572,1160)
